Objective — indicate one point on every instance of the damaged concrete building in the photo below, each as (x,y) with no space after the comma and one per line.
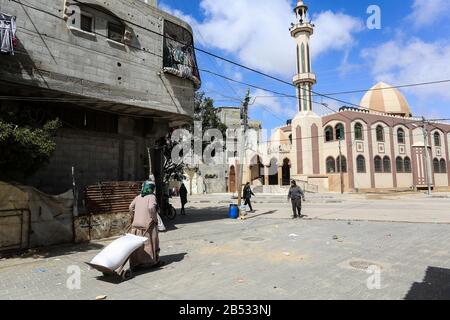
(117,73)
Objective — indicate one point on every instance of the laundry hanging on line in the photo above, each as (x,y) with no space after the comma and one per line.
(8,28)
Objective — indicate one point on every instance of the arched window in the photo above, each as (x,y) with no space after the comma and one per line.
(329,134)
(331,165)
(359,131)
(407,164)
(361,164)
(437,139)
(386,164)
(378,164)
(341,165)
(443,166)
(401,136)
(303,58)
(309,58)
(290,138)
(298,60)
(340,134)
(380,133)
(436,166)
(400,165)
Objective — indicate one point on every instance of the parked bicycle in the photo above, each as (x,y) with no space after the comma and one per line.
(167,209)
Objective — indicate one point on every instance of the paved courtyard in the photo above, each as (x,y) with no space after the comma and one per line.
(268,255)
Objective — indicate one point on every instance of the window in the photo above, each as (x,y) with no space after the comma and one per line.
(341,165)
(290,138)
(328,134)
(359,131)
(407,165)
(437,139)
(400,165)
(340,134)
(386,165)
(361,164)
(331,165)
(303,58)
(380,134)
(116,32)
(87,23)
(401,136)
(436,166)
(378,164)
(443,166)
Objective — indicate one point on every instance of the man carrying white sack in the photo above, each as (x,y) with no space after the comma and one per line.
(145,224)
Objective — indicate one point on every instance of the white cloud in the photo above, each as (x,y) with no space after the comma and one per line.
(428,12)
(257,33)
(401,61)
(281,108)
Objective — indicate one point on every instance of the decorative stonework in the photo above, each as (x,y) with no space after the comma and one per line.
(360,147)
(381,148)
(402,150)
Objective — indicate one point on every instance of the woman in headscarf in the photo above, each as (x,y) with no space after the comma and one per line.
(145,224)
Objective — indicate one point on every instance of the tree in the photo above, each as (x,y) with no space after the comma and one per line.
(25,147)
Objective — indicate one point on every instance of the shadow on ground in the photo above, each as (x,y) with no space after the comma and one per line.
(53,251)
(435,286)
(167,260)
(196,215)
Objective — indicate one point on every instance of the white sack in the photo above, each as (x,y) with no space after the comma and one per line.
(161,226)
(115,255)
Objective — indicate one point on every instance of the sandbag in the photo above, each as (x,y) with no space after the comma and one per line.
(115,255)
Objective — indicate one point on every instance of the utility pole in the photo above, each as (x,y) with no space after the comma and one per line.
(244,125)
(427,155)
(340,166)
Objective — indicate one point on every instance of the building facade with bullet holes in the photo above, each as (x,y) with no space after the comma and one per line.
(378,146)
(117,73)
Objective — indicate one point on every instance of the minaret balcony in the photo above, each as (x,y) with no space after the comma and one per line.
(302,28)
(305,78)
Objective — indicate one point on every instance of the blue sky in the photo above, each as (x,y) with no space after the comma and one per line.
(412,46)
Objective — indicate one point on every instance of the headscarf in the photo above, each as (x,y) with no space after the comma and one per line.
(148,188)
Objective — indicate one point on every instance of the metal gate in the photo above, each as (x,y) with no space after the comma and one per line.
(14,229)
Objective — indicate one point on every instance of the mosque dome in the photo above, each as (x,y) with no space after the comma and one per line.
(385,99)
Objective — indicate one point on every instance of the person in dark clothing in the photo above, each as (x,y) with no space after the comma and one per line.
(247,194)
(183,198)
(296,195)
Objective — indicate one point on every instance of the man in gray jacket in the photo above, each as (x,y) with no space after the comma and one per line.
(296,195)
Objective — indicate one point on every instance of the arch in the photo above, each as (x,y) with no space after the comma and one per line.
(256,170)
(437,139)
(329,134)
(378,164)
(387,165)
(303,59)
(331,165)
(361,164)
(436,165)
(286,172)
(407,165)
(359,131)
(273,172)
(400,165)
(341,165)
(401,136)
(443,166)
(380,133)
(232,180)
(340,131)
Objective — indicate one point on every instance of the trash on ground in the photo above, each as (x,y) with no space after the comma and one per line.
(40,270)
(287,253)
(335,237)
(101,297)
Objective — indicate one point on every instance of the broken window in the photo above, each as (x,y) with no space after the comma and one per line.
(179,55)
(116,32)
(8,39)
(87,23)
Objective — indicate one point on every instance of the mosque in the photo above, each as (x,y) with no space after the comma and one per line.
(378,146)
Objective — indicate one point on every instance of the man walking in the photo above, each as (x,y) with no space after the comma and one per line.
(183,198)
(248,195)
(296,195)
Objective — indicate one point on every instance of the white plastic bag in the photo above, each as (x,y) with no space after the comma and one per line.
(115,255)
(161,226)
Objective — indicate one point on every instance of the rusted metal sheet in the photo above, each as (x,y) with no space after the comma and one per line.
(111,197)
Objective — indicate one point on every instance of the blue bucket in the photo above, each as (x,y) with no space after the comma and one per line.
(234,211)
